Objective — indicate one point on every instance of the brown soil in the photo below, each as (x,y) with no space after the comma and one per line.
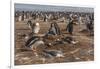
(82,51)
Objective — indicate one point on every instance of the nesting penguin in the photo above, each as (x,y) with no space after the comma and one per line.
(53,53)
(33,43)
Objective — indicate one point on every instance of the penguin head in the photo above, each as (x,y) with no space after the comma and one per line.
(37,24)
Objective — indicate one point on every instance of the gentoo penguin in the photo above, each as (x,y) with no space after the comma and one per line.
(36,28)
(20,18)
(53,53)
(70,40)
(30,25)
(33,43)
(53,30)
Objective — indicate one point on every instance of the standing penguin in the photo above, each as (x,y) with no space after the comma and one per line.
(20,18)
(34,27)
(57,28)
(23,15)
(53,30)
(45,18)
(70,27)
(29,24)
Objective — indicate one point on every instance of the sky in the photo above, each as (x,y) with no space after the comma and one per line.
(37,7)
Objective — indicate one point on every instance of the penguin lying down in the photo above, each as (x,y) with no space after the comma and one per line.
(33,43)
(68,39)
(53,53)
(39,42)
(36,41)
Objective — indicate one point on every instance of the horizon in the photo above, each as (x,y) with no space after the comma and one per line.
(37,7)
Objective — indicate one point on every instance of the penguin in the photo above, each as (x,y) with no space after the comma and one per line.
(53,53)
(33,43)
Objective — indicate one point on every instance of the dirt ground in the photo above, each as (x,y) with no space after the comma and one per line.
(82,51)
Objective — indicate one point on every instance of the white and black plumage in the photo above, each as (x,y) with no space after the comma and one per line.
(20,18)
(50,55)
(70,40)
(53,30)
(33,43)
(53,53)
(29,23)
(34,27)
(65,40)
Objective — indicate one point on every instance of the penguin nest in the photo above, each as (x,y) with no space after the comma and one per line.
(54,37)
